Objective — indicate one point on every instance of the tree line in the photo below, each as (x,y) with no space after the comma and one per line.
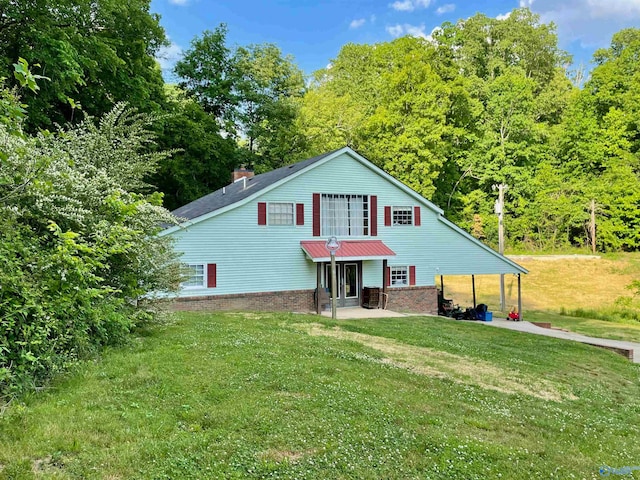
(482,102)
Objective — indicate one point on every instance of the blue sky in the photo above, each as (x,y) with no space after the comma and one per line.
(314,31)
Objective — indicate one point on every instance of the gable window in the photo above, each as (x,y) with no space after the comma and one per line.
(399,276)
(281,213)
(345,215)
(402,216)
(193,275)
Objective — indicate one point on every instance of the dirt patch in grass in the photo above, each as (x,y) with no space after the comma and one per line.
(289,456)
(435,363)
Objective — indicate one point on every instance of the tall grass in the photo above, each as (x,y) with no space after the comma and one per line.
(618,314)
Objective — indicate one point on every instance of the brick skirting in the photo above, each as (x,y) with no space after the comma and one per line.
(288,301)
(413,299)
(401,299)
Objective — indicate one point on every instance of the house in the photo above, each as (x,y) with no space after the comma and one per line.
(260,242)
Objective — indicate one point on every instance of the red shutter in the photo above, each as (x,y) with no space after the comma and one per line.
(211,275)
(388,276)
(316,214)
(262,213)
(387,216)
(299,213)
(416,216)
(412,275)
(373,215)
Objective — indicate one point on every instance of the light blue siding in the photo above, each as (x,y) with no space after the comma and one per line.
(253,258)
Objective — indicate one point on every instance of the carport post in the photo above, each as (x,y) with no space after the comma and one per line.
(519,299)
(473,287)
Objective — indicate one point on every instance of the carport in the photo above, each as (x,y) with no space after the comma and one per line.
(454,257)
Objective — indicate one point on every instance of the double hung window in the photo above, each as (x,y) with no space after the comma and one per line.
(281,213)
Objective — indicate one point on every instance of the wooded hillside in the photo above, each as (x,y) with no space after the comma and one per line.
(482,102)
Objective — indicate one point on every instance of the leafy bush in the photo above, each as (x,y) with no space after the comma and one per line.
(78,243)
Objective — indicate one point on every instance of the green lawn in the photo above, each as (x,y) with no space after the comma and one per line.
(297,396)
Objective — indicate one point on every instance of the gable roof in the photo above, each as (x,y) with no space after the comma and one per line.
(237,191)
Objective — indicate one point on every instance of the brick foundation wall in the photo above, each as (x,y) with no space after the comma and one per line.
(413,299)
(402,299)
(289,301)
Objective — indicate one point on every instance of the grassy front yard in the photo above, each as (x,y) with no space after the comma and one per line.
(296,396)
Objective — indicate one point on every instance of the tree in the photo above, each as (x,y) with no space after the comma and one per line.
(598,141)
(396,103)
(97,52)
(270,87)
(486,47)
(202,159)
(251,91)
(208,74)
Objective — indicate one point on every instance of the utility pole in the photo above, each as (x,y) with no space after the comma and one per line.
(592,227)
(499,210)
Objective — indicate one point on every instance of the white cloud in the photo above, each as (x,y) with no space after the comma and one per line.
(168,56)
(590,22)
(449,7)
(526,3)
(179,2)
(503,16)
(395,30)
(357,23)
(403,6)
(399,30)
(415,30)
(613,8)
(372,19)
(409,5)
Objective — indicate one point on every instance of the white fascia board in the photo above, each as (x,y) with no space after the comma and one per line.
(490,250)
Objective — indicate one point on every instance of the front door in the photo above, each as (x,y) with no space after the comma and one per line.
(348,275)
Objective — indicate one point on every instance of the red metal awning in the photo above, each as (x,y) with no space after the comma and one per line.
(349,250)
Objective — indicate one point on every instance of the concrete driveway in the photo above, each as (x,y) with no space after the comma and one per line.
(528,327)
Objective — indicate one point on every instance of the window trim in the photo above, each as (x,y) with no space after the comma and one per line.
(405,209)
(270,214)
(203,275)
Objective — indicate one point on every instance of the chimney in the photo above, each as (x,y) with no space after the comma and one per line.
(241,172)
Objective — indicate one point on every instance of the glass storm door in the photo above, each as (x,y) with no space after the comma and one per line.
(348,283)
(350,287)
(327,280)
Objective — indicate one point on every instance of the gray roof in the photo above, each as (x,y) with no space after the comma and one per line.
(236,191)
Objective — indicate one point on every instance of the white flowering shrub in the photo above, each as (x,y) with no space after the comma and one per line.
(78,243)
